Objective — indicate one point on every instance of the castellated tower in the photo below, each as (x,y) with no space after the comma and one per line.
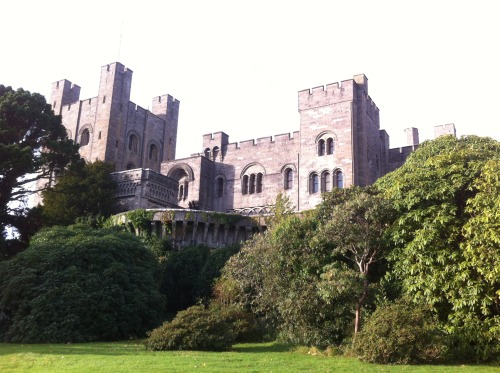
(340,138)
(113,129)
(167,108)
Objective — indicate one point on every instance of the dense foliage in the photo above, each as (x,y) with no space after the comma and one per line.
(189,274)
(83,190)
(76,284)
(196,328)
(33,145)
(447,237)
(400,333)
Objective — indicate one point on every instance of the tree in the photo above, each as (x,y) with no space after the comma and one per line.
(356,231)
(276,275)
(78,284)
(447,246)
(33,145)
(85,190)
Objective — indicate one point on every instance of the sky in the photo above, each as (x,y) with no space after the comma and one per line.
(236,66)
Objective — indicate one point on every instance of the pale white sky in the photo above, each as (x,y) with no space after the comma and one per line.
(236,66)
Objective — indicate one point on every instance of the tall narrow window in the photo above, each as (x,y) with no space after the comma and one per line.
(339,179)
(288,179)
(314,183)
(329,146)
(321,147)
(215,152)
(85,137)
(219,185)
(326,182)
(252,183)
(207,152)
(181,192)
(153,152)
(133,141)
(259,183)
(244,186)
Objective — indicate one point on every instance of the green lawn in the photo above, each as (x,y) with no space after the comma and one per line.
(133,357)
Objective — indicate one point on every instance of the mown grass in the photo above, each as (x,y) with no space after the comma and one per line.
(133,357)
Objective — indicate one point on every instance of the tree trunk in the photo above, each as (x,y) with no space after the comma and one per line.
(359,305)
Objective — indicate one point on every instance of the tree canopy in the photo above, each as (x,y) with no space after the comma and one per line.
(447,235)
(85,190)
(33,145)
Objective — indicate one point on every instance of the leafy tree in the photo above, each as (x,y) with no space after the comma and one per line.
(85,190)
(77,284)
(355,230)
(33,145)
(276,276)
(447,250)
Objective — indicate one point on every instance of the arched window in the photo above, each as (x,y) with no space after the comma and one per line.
(326,182)
(130,166)
(259,182)
(85,137)
(252,183)
(133,142)
(288,178)
(181,192)
(244,186)
(219,187)
(329,146)
(207,152)
(313,183)
(153,152)
(339,179)
(321,147)
(215,152)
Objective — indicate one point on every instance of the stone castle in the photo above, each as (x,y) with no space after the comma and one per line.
(339,144)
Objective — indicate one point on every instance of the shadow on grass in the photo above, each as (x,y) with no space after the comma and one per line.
(262,347)
(96,348)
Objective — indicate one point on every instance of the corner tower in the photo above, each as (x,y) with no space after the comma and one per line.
(340,139)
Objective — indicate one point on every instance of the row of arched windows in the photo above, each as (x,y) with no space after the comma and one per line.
(252,183)
(323,182)
(133,143)
(326,147)
(317,182)
(212,154)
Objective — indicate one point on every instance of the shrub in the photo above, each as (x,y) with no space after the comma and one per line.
(196,328)
(78,284)
(400,333)
(245,324)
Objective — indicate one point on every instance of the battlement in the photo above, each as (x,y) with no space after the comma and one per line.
(332,93)
(116,67)
(63,93)
(168,99)
(281,139)
(445,129)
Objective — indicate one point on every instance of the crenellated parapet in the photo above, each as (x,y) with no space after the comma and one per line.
(284,139)
(326,95)
(63,94)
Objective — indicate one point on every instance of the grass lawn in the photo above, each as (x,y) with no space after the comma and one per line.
(133,357)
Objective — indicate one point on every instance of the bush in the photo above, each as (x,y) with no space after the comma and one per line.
(196,328)
(78,284)
(245,324)
(400,333)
